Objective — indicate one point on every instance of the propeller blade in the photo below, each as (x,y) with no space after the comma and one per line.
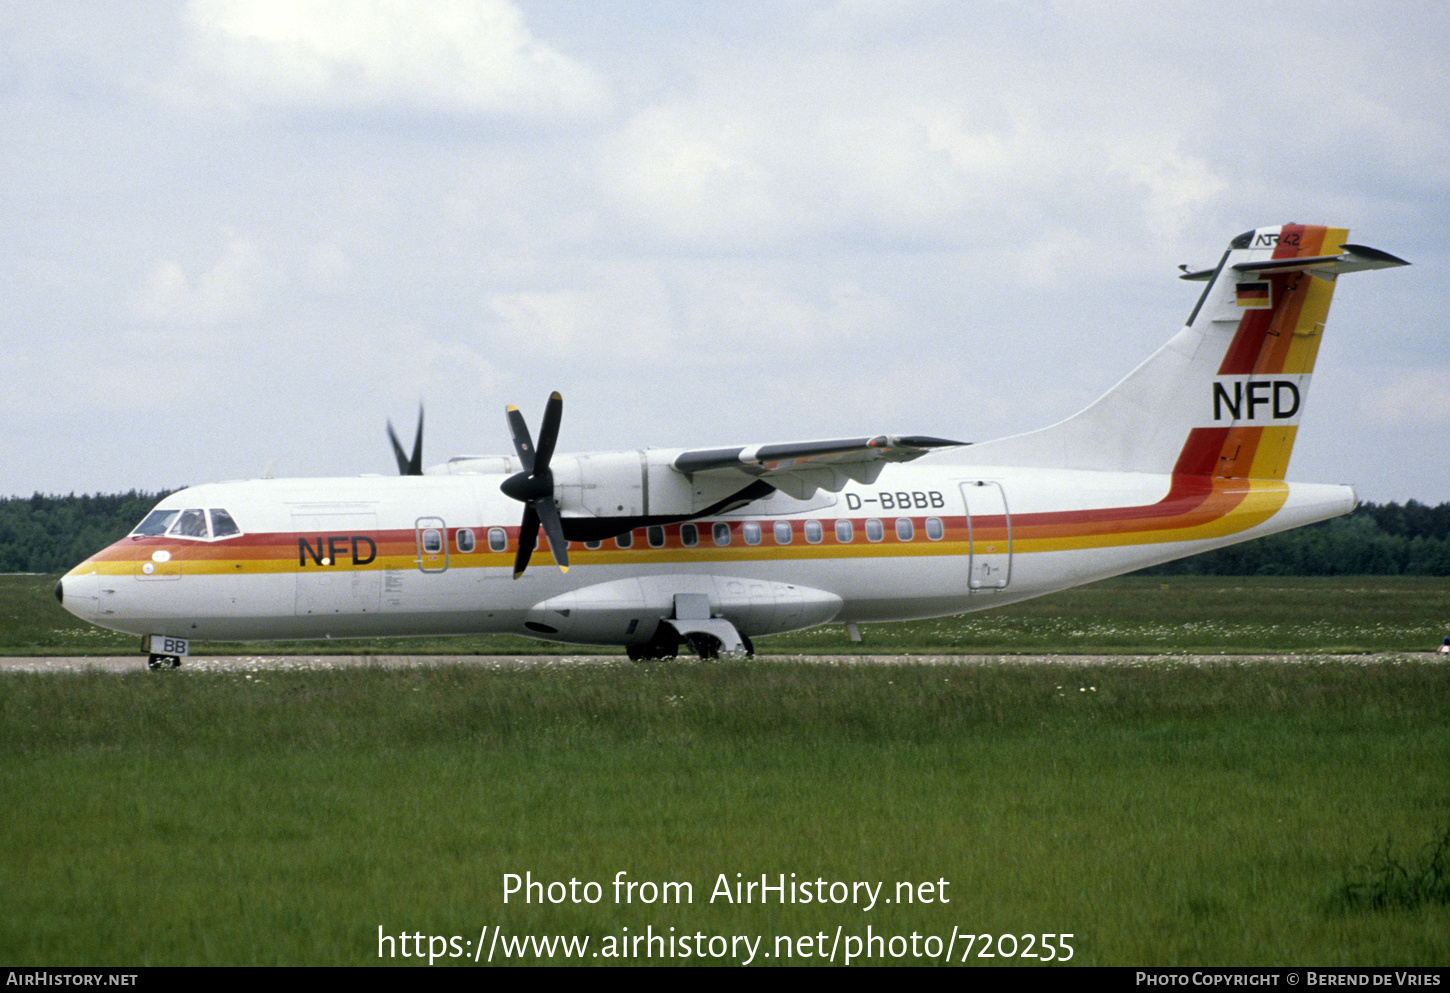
(549,431)
(409,466)
(523,441)
(553,529)
(534,487)
(528,538)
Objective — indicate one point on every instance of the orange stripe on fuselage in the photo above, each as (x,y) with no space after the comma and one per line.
(1195,508)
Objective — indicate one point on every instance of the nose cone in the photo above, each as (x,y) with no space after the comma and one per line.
(107,590)
(93,591)
(79,592)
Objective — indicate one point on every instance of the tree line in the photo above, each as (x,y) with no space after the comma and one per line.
(53,533)
(1389,539)
(50,534)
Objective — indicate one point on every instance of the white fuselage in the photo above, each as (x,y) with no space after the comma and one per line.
(375,556)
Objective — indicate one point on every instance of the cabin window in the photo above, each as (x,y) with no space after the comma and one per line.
(722,533)
(750,530)
(594,546)
(222,525)
(656,535)
(874,530)
(934,529)
(782,532)
(814,532)
(845,533)
(463,538)
(497,540)
(625,540)
(432,541)
(689,535)
(905,530)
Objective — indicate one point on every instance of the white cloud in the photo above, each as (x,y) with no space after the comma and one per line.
(618,318)
(1179,186)
(738,167)
(234,287)
(328,267)
(1409,396)
(696,173)
(455,56)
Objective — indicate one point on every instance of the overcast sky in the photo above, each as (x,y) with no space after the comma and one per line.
(244,232)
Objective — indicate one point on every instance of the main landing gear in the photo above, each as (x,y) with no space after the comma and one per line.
(666,645)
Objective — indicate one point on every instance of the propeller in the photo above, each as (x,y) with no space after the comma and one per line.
(409,466)
(534,487)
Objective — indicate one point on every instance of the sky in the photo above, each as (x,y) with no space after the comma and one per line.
(240,236)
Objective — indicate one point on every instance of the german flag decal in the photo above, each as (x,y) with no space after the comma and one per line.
(1253,295)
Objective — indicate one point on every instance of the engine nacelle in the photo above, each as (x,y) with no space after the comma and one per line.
(633,484)
(628,611)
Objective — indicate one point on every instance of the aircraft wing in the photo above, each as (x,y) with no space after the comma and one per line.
(802,467)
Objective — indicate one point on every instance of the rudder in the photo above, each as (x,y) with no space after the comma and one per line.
(1278,313)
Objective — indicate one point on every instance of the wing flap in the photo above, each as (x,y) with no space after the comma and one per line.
(800,468)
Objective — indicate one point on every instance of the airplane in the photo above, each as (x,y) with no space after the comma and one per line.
(656,550)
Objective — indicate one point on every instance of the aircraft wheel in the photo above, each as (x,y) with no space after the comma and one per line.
(749,646)
(707,646)
(664,645)
(651,651)
(163,662)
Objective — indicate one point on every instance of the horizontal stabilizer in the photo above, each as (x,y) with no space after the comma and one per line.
(1356,258)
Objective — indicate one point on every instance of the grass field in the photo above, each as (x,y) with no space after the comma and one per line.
(1166,813)
(1163,813)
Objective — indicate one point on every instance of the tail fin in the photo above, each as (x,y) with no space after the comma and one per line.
(1223,397)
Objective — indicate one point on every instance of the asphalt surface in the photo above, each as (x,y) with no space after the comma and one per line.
(257,663)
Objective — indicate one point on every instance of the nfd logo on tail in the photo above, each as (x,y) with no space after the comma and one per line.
(656,550)
(1257,399)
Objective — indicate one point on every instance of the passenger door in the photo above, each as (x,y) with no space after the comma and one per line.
(989,529)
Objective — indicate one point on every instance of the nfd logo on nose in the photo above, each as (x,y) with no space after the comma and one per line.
(1258,399)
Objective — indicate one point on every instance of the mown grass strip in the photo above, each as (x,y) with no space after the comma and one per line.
(1127,615)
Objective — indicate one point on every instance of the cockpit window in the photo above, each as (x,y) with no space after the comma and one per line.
(222,525)
(189,523)
(156,522)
